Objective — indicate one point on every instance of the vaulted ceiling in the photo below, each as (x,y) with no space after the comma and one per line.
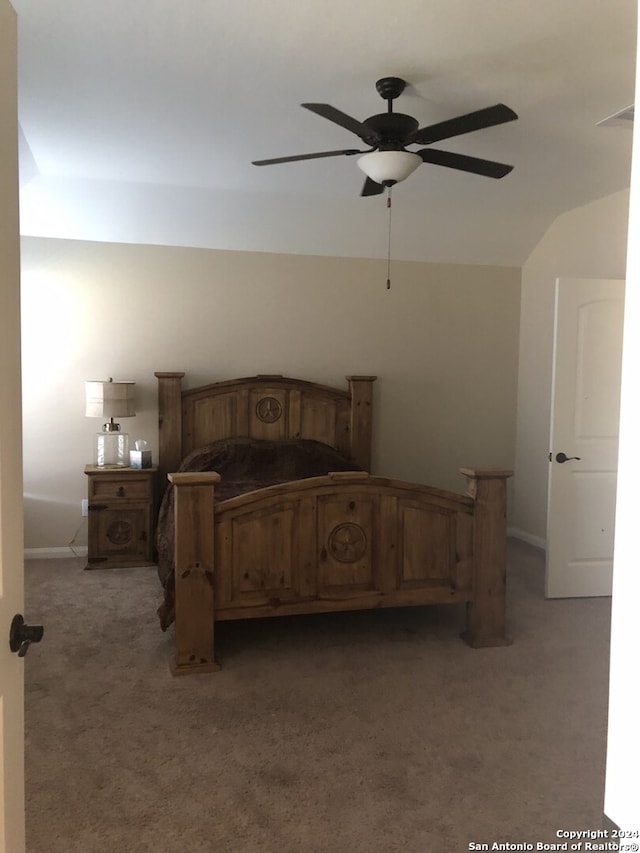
(140,120)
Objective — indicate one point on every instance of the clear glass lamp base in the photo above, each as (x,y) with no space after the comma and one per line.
(112,450)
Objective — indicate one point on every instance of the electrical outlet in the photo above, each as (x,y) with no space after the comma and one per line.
(85,507)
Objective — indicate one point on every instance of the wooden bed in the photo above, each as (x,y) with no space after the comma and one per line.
(343,541)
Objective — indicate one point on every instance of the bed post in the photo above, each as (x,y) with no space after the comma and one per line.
(194,571)
(169,425)
(486,612)
(361,388)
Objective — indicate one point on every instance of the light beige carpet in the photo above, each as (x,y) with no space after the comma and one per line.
(339,733)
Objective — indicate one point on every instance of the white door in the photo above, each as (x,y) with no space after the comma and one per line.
(12,834)
(584,424)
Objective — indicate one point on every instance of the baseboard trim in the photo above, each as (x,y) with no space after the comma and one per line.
(529,538)
(55,553)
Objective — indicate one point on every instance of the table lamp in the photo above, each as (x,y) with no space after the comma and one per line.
(110,400)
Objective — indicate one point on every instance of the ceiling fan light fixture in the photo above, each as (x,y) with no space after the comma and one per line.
(389,167)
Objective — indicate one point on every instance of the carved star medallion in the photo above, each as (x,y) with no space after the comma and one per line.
(347,543)
(119,532)
(269,410)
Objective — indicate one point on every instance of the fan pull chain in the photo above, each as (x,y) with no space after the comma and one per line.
(389,242)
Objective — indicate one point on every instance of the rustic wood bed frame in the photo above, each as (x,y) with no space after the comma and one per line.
(346,541)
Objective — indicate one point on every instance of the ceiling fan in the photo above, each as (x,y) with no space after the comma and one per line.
(387,161)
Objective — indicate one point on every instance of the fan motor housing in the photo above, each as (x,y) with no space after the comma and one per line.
(390,129)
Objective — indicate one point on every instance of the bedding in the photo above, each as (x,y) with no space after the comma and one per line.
(244,464)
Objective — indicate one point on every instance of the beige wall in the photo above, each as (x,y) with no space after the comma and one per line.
(588,242)
(443,342)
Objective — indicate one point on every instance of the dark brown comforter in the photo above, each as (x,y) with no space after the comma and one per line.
(244,465)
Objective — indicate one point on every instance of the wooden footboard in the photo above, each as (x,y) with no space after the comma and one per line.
(346,541)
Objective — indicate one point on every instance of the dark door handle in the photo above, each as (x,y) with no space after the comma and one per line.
(22,635)
(562,457)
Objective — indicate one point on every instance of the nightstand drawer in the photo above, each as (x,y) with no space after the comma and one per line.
(119,488)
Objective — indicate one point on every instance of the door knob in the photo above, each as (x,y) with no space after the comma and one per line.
(22,635)
(562,457)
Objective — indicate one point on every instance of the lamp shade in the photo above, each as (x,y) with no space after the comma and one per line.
(389,167)
(110,399)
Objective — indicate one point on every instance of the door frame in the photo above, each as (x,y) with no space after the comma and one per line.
(12,810)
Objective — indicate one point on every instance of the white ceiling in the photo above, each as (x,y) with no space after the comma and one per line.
(140,120)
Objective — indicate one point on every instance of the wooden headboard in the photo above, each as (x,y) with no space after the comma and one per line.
(271,407)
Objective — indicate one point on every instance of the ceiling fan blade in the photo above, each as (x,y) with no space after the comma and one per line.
(371,188)
(487,117)
(488,168)
(344,120)
(347,151)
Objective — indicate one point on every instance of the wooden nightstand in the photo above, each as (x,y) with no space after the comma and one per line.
(121,517)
